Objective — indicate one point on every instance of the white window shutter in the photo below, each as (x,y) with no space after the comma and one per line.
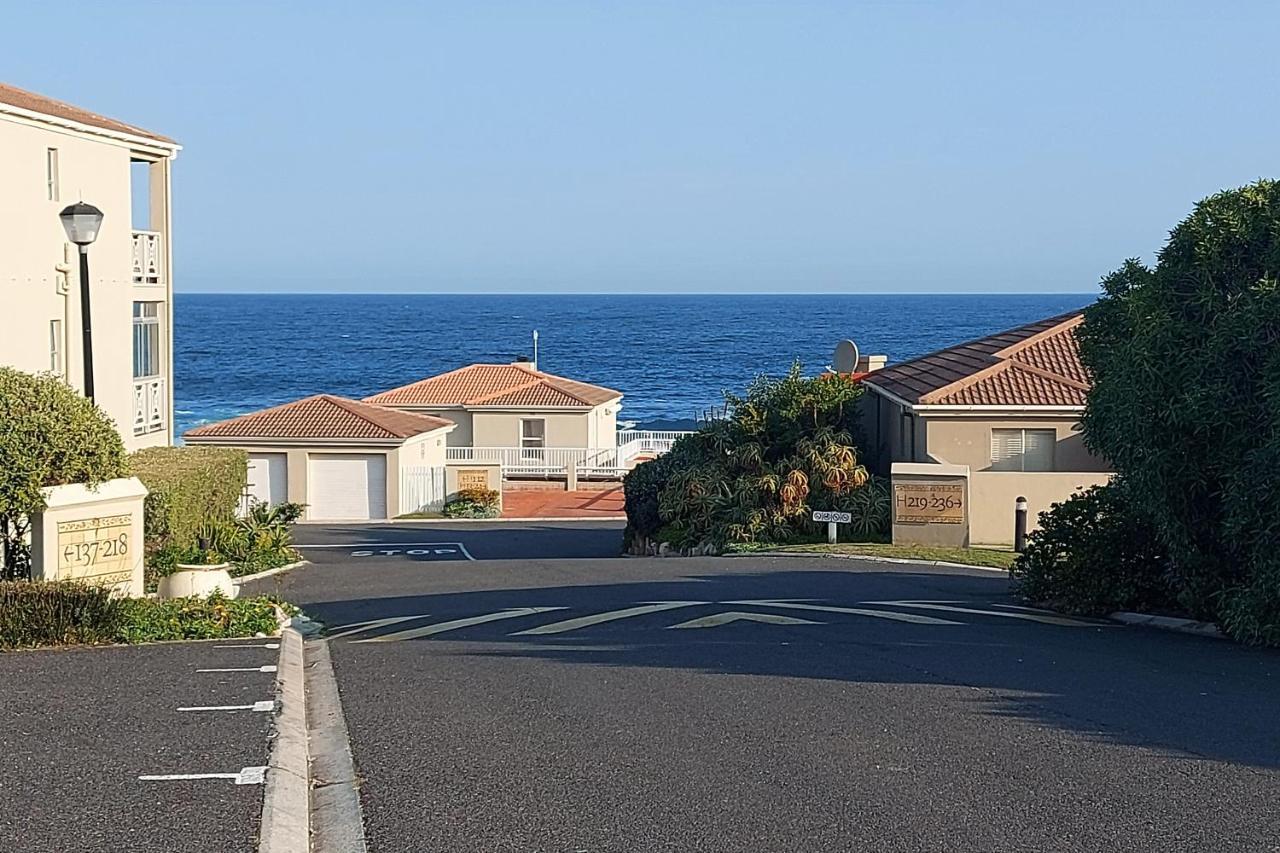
(1006,450)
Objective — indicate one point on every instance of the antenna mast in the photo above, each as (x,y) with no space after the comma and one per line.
(535,349)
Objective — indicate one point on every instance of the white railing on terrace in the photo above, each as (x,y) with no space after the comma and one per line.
(149,405)
(586,461)
(148,259)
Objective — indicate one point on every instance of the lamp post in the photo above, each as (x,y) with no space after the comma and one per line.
(82,222)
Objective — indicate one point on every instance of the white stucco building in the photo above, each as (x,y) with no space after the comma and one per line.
(53,154)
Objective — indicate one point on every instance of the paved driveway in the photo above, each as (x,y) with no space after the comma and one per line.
(563,702)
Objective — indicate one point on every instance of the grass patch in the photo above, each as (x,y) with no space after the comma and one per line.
(988,557)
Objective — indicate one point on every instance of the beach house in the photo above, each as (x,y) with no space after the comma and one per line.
(969,429)
(54,155)
(531,422)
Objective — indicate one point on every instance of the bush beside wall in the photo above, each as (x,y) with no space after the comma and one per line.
(42,613)
(188,487)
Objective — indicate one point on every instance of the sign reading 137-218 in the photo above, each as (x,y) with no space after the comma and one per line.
(95,549)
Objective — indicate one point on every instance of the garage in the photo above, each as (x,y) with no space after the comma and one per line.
(268,480)
(347,486)
(346,460)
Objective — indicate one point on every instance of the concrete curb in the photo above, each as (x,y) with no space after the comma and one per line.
(244,579)
(337,823)
(1168,623)
(867,558)
(286,812)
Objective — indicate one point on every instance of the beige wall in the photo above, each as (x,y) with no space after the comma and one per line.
(33,246)
(460,436)
(91,535)
(967,441)
(502,428)
(930,533)
(492,471)
(992,495)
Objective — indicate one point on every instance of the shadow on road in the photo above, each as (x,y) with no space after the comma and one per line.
(1188,695)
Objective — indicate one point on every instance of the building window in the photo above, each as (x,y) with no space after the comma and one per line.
(56,366)
(147,354)
(51,172)
(1022,449)
(533,437)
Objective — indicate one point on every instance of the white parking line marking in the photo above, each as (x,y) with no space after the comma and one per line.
(264,705)
(441,627)
(359,627)
(597,618)
(718,619)
(246,776)
(856,611)
(249,646)
(268,668)
(1047,620)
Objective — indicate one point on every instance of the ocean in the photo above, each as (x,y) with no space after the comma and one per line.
(671,355)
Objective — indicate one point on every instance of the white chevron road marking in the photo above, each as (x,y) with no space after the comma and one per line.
(442,627)
(372,624)
(718,619)
(855,611)
(1029,617)
(611,616)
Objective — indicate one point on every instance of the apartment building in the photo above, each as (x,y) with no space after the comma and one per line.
(53,155)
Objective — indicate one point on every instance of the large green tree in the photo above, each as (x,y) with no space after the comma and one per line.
(1185,358)
(49,435)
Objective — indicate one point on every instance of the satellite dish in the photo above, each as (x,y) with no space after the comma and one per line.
(846,359)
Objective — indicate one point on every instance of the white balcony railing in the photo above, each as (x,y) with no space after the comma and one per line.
(148,258)
(149,405)
(633,447)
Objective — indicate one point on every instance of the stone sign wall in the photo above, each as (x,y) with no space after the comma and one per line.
(91,535)
(930,504)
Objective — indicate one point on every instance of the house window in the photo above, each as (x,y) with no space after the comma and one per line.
(51,172)
(1022,449)
(533,437)
(55,348)
(147,354)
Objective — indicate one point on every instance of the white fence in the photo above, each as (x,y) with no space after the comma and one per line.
(422,489)
(557,461)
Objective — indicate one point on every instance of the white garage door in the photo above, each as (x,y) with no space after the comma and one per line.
(347,486)
(268,478)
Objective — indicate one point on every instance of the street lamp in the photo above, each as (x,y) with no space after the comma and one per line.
(82,222)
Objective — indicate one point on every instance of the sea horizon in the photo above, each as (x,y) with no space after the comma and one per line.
(671,354)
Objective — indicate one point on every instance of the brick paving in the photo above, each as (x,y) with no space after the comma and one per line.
(561,504)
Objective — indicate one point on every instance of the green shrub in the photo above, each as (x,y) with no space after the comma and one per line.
(1186,400)
(1093,554)
(188,486)
(259,541)
(148,620)
(45,613)
(474,503)
(786,447)
(49,436)
(39,613)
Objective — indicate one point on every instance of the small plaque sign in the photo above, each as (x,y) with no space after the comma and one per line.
(96,550)
(473,478)
(833,517)
(924,503)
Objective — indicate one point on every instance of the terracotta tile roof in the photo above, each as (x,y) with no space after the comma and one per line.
(496,385)
(15,97)
(323,416)
(1033,365)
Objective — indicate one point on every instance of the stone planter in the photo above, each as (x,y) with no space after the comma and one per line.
(188,580)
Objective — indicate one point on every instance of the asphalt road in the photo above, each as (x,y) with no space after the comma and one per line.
(540,698)
(78,727)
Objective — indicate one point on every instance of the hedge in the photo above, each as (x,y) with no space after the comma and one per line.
(42,613)
(188,487)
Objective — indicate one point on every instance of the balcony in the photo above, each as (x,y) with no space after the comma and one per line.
(148,258)
(633,448)
(148,405)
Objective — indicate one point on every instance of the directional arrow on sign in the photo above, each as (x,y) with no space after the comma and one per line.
(718,619)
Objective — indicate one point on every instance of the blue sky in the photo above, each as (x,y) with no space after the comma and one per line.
(672,146)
